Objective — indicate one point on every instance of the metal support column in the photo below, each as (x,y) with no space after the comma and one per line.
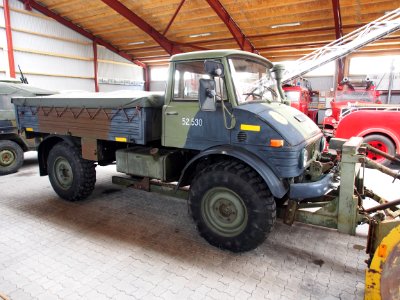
(339,34)
(146,73)
(10,48)
(96,65)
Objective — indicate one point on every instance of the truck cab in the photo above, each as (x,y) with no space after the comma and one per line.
(300,98)
(247,115)
(349,95)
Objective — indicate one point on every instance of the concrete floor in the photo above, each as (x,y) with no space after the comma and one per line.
(127,244)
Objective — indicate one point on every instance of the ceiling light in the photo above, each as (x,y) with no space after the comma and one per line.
(286,25)
(135,43)
(199,35)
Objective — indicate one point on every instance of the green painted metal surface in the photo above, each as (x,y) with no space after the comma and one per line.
(341,212)
(348,201)
(150,162)
(224,212)
(213,54)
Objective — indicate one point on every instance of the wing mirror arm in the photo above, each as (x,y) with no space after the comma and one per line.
(210,93)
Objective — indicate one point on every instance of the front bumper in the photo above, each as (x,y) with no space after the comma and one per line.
(301,191)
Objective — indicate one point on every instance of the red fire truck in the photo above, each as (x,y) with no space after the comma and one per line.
(358,111)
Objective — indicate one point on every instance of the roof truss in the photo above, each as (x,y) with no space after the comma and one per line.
(243,42)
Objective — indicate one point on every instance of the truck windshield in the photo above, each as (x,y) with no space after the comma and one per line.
(365,96)
(293,96)
(253,81)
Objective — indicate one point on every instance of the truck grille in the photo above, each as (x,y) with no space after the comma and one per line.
(312,148)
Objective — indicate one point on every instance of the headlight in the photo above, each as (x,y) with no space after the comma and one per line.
(328,112)
(303,158)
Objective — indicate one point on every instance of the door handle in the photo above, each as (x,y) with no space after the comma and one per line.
(172,113)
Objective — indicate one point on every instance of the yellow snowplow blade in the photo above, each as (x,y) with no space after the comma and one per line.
(382,279)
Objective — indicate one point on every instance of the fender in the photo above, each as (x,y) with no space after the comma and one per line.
(15,138)
(277,187)
(47,144)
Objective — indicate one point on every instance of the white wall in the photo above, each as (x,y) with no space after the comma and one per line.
(55,57)
(3,46)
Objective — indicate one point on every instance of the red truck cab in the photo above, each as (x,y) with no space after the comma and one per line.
(347,97)
(300,98)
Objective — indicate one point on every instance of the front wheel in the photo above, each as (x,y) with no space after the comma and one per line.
(382,143)
(11,157)
(232,206)
(72,177)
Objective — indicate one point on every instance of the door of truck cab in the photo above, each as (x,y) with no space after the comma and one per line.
(184,124)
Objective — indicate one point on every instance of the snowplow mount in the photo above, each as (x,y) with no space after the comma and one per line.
(342,209)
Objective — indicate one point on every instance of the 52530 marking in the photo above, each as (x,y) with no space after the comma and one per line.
(192,122)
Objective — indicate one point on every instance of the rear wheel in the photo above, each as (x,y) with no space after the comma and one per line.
(382,143)
(72,177)
(232,206)
(11,157)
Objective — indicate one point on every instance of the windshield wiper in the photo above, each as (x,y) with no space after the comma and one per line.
(260,95)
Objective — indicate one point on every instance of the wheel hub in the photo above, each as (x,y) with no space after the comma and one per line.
(7,157)
(224,212)
(380,146)
(63,172)
(226,209)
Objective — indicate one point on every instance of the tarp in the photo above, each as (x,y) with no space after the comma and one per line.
(117,99)
(20,89)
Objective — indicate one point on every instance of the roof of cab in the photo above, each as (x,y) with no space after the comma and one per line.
(215,54)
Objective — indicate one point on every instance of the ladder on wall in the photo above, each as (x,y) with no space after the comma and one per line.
(369,33)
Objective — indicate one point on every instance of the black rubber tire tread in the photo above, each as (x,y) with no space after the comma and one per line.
(19,157)
(84,172)
(385,140)
(246,183)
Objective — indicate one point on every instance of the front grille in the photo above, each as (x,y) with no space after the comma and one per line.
(312,148)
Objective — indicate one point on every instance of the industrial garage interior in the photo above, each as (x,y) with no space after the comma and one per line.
(199,149)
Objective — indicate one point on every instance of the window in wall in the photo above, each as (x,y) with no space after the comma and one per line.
(159,73)
(374,65)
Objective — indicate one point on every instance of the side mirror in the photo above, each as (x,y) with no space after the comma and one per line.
(214,68)
(207,95)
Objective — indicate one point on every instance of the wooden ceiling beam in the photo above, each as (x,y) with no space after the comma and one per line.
(166,44)
(243,42)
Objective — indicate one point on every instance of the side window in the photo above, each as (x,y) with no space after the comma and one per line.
(186,80)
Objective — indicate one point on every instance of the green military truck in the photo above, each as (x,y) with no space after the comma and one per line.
(220,132)
(12,144)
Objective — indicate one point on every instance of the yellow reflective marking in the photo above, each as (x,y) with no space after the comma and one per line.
(250,127)
(382,250)
(121,139)
(28,129)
